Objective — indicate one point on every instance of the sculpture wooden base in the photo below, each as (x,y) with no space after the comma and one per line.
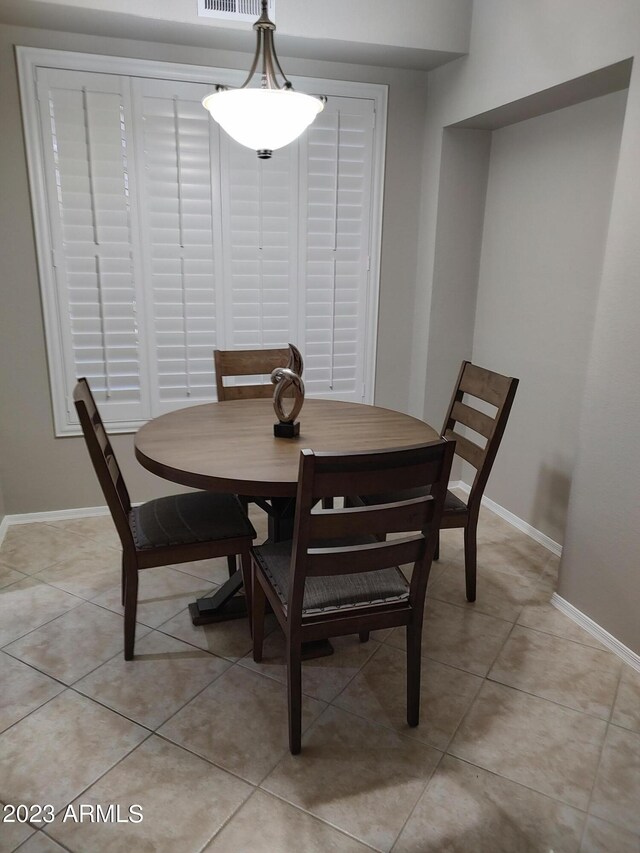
(282,430)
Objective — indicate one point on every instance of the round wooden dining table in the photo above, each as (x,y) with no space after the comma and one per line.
(230,447)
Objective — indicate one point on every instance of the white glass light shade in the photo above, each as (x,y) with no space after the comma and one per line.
(263,119)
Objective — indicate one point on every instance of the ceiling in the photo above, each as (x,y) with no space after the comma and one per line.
(420,34)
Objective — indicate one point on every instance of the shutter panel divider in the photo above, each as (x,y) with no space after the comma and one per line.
(175,152)
(335,194)
(86,127)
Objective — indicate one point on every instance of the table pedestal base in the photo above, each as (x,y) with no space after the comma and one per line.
(316,649)
(202,613)
(223,605)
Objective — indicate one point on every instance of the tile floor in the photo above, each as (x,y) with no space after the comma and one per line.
(529,740)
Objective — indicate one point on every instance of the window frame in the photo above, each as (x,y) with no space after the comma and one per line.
(29,59)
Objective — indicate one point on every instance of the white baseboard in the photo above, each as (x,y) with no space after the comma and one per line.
(50,515)
(89,511)
(58,514)
(591,627)
(4,526)
(514,521)
(585,622)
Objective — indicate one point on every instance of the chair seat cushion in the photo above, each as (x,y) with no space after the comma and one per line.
(335,592)
(452,503)
(188,518)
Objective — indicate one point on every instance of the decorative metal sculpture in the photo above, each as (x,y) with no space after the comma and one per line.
(288,381)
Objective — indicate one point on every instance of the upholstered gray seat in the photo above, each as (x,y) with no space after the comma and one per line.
(452,503)
(182,528)
(322,594)
(186,518)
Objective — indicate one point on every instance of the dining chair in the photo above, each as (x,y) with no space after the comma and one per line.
(180,528)
(495,393)
(339,575)
(231,364)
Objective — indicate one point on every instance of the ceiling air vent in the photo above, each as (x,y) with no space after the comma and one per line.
(234,10)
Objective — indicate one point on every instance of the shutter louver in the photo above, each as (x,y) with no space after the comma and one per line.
(337,188)
(85,126)
(178,219)
(259,200)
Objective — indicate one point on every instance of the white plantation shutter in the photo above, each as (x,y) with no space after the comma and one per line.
(85,120)
(160,239)
(180,215)
(259,233)
(336,175)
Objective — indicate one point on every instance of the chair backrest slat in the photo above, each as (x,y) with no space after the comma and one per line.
(485,384)
(469,451)
(374,520)
(370,473)
(365,558)
(490,388)
(231,363)
(473,418)
(350,540)
(104,460)
(101,434)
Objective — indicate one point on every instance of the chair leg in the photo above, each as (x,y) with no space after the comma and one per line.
(364,636)
(231,564)
(257,618)
(470,560)
(436,553)
(123,583)
(414,637)
(247,582)
(294,690)
(130,608)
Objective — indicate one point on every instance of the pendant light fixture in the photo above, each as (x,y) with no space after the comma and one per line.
(268,117)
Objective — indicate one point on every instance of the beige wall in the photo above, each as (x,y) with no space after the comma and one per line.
(545,226)
(599,573)
(543,44)
(464,168)
(41,472)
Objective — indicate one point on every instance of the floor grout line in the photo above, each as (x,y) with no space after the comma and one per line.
(238,662)
(415,805)
(599,763)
